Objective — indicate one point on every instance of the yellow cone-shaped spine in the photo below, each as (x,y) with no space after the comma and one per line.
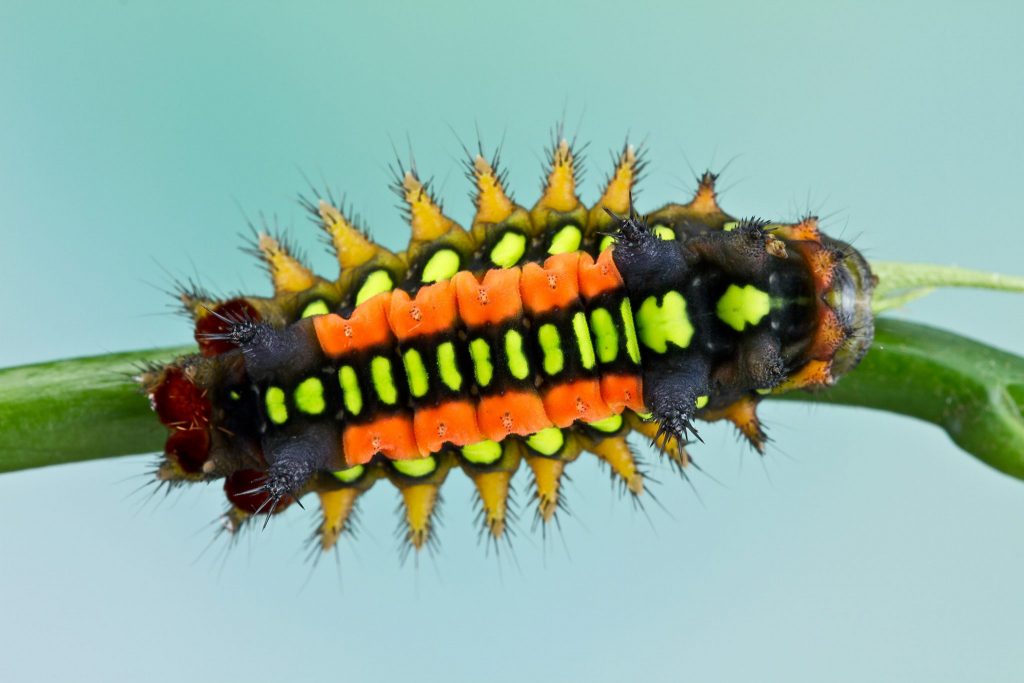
(616,452)
(287,272)
(352,247)
(493,205)
(426,218)
(619,190)
(705,199)
(547,474)
(560,189)
(493,488)
(336,507)
(419,501)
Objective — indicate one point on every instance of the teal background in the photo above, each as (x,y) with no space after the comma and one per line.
(865,546)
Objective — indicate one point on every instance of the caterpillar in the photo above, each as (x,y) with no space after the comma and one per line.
(532,337)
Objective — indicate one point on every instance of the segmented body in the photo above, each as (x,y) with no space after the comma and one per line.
(534,336)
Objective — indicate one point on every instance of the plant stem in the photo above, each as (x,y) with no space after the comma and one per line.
(973,391)
(78,409)
(899,283)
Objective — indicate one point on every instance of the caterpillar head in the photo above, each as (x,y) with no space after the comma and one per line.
(849,296)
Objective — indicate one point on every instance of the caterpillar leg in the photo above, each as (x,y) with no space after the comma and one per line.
(673,390)
(295,457)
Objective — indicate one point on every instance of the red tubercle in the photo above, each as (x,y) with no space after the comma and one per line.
(189,448)
(180,403)
(210,324)
(242,488)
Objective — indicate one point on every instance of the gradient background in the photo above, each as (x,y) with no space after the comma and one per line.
(864,547)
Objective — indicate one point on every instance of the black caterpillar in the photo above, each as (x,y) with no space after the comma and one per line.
(535,335)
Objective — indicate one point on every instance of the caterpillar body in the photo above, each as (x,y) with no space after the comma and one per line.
(534,336)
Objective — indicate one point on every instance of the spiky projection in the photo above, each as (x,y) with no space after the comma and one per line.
(536,335)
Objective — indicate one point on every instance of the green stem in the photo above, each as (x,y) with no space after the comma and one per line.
(79,409)
(899,283)
(973,391)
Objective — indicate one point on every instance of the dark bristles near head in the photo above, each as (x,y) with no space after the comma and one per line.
(247,491)
(215,330)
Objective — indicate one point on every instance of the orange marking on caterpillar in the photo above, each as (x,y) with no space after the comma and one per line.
(514,412)
(596,278)
(828,336)
(391,436)
(553,285)
(490,301)
(365,328)
(623,391)
(433,310)
(452,422)
(578,400)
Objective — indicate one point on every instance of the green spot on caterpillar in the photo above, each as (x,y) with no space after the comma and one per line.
(607,337)
(448,366)
(518,364)
(480,352)
(663,232)
(277,411)
(415,468)
(608,425)
(416,372)
(509,249)
(632,346)
(482,453)
(565,240)
(309,396)
(316,307)
(664,323)
(547,441)
(383,380)
(742,306)
(441,266)
(377,282)
(583,340)
(349,475)
(353,395)
(551,346)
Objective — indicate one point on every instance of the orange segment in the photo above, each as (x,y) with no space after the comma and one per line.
(393,436)
(490,301)
(433,310)
(555,285)
(600,277)
(365,328)
(579,400)
(623,391)
(454,422)
(514,412)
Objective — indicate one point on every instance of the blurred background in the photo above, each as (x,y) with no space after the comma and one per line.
(135,136)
